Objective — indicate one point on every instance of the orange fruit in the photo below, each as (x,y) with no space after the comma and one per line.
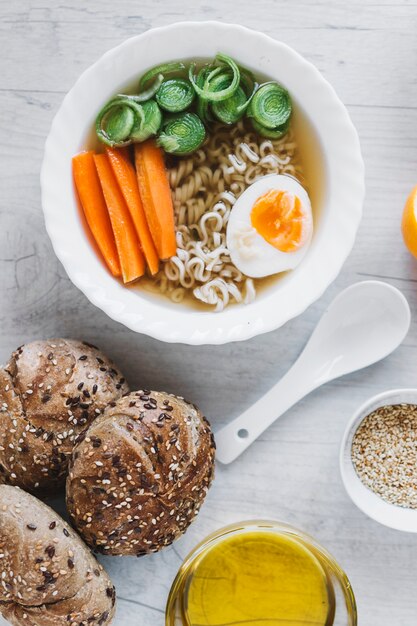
(409,222)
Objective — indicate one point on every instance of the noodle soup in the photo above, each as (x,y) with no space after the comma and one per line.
(205,186)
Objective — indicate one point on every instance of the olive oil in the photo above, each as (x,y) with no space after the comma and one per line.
(259,579)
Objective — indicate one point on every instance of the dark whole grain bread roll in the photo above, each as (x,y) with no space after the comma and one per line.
(140,473)
(48,577)
(50,391)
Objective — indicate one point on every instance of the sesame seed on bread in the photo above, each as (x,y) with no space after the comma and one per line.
(49,392)
(48,577)
(140,473)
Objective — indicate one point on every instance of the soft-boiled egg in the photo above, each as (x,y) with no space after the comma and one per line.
(270,226)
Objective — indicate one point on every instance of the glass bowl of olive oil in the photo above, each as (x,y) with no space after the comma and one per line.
(260,573)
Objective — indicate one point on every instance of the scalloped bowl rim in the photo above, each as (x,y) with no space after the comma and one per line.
(151,316)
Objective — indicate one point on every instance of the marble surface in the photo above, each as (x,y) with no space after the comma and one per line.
(368,51)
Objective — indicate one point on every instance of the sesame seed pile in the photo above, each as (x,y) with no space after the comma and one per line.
(384,453)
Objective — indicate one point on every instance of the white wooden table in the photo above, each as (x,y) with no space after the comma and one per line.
(368,50)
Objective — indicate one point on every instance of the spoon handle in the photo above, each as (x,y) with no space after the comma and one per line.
(235,437)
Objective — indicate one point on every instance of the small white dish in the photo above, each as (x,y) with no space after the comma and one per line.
(366,500)
(335,158)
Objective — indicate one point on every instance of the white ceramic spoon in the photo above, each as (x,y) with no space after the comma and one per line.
(362,325)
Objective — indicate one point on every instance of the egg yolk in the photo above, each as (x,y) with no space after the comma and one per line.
(280,218)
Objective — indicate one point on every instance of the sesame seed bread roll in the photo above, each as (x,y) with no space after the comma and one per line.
(140,473)
(48,577)
(49,392)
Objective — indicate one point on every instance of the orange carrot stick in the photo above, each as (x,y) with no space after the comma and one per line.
(130,256)
(156,196)
(94,206)
(126,177)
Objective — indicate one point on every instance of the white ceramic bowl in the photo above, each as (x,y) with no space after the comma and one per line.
(371,504)
(334,151)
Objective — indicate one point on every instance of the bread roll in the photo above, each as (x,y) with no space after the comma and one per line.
(49,392)
(48,577)
(140,474)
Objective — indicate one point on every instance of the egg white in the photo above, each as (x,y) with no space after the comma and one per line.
(249,251)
